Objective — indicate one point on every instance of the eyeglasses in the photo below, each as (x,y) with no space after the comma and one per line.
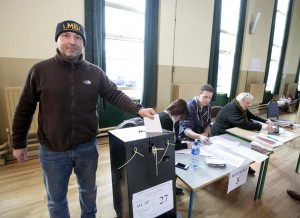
(247,102)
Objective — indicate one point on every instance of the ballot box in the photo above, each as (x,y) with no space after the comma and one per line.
(143,172)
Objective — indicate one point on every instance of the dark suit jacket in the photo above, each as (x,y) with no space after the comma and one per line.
(230,116)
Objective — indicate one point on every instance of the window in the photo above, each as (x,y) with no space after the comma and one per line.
(229,28)
(281,15)
(125,25)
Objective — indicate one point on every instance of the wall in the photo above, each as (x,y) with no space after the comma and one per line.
(27,36)
(184,45)
(28,28)
(256,45)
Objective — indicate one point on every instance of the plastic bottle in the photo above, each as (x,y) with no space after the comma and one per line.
(195,155)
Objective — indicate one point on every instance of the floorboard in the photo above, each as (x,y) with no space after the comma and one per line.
(22,191)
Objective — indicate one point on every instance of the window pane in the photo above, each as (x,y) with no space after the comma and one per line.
(279,29)
(230,15)
(124,23)
(229,26)
(275,53)
(272,76)
(225,72)
(277,43)
(136,4)
(282,6)
(125,62)
(227,42)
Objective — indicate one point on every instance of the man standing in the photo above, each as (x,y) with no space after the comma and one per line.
(67,89)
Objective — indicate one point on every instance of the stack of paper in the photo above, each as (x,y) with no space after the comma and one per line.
(262,145)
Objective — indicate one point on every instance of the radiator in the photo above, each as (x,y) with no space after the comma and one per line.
(185,91)
(12,95)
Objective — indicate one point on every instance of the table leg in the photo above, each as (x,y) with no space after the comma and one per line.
(298,164)
(259,179)
(191,204)
(263,179)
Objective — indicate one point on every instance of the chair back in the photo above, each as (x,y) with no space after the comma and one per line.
(215,110)
(272,109)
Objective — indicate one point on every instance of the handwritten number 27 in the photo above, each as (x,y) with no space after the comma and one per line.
(163,199)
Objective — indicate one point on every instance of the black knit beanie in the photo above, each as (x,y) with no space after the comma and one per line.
(70,26)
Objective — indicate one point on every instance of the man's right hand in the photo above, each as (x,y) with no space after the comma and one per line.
(204,139)
(268,127)
(21,155)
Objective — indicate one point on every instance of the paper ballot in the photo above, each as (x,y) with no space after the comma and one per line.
(153,125)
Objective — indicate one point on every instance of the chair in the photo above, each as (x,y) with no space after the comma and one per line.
(272,109)
(215,110)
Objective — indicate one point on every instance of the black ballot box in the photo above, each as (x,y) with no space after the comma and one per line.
(143,172)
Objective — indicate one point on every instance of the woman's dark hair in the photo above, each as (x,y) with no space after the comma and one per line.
(178,107)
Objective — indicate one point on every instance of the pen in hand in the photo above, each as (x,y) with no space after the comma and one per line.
(207,141)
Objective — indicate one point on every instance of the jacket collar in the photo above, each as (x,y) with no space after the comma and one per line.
(64,60)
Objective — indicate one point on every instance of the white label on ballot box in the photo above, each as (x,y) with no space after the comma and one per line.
(153,201)
(237,177)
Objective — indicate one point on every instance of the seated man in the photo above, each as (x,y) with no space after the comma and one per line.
(197,124)
(236,114)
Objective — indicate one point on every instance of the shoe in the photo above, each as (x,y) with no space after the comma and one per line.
(294,195)
(179,191)
(251,171)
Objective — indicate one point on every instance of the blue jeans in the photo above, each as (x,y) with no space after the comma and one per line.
(57,168)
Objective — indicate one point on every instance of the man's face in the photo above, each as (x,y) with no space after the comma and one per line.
(245,103)
(70,44)
(205,98)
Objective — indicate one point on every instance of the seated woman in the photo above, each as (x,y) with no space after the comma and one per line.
(170,118)
(175,112)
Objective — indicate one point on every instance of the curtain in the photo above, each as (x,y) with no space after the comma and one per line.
(214,48)
(149,97)
(95,34)
(283,49)
(238,50)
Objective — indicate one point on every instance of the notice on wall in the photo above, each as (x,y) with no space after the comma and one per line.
(153,201)
(256,64)
(237,177)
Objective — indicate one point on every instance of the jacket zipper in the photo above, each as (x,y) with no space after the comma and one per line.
(72,104)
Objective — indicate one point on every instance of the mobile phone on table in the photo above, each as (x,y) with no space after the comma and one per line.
(181,166)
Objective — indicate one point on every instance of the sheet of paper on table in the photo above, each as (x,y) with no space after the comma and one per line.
(224,142)
(250,154)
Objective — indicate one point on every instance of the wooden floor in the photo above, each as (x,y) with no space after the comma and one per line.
(22,191)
